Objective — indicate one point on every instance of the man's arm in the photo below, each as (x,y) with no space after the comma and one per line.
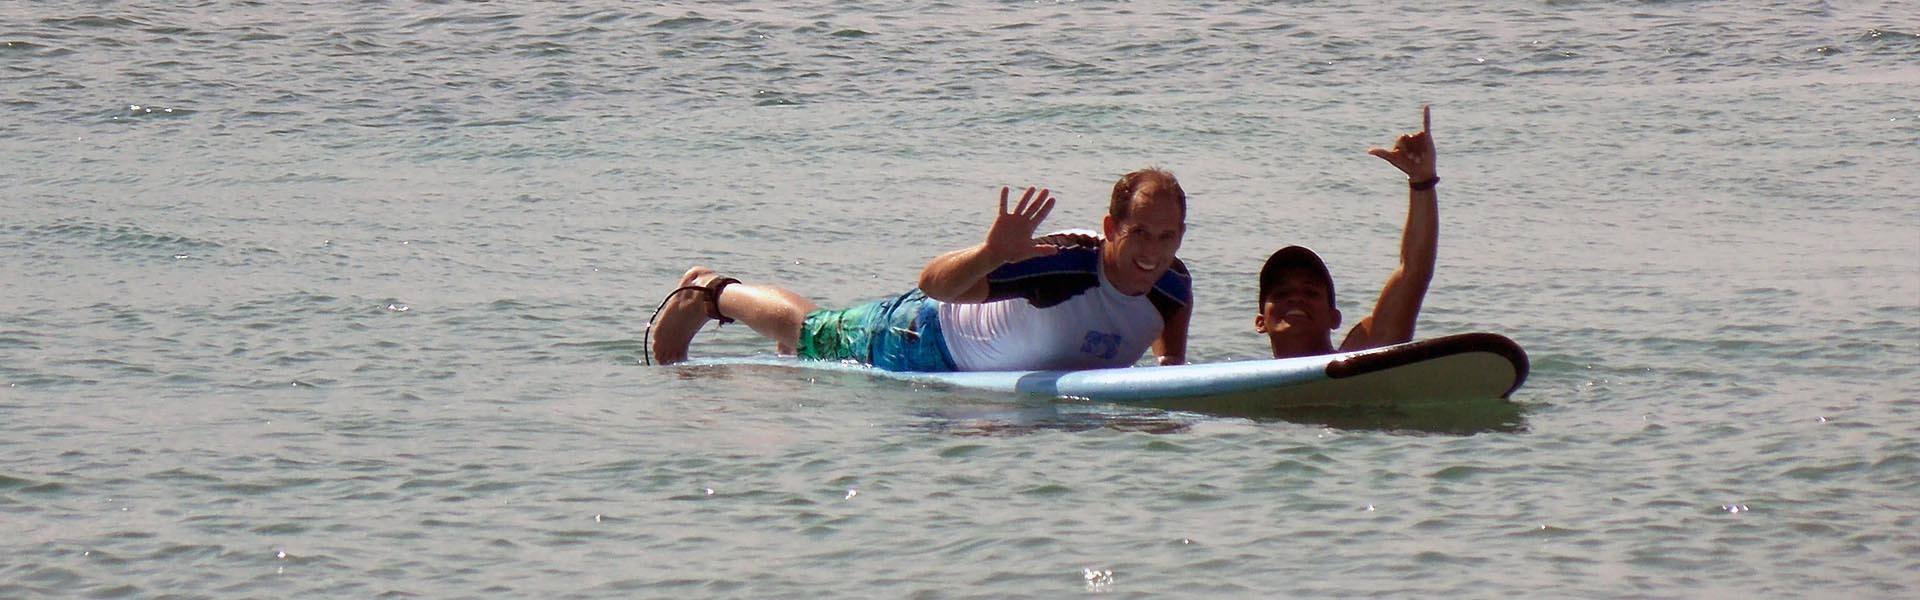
(960,276)
(1171,347)
(1398,308)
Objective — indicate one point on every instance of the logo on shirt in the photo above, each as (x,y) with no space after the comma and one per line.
(1103,345)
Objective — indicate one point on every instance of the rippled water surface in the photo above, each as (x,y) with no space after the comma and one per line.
(346,299)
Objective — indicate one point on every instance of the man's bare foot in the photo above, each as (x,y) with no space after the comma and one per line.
(682,317)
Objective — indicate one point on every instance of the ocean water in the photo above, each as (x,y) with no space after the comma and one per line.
(346,299)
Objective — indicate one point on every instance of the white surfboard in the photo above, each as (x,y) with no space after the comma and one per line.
(1445,370)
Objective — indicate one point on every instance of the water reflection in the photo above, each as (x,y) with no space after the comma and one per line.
(1492,416)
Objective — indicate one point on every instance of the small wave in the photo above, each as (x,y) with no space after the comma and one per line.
(1050,490)
(774,98)
(18,339)
(542,48)
(1827,472)
(1461,472)
(93,22)
(120,237)
(30,49)
(347,44)
(181,474)
(50,488)
(1897,464)
(1899,39)
(44,380)
(683,23)
(1068,113)
(1556,72)
(1294,467)
(9,483)
(603,16)
(183,553)
(261,489)
(143,112)
(624,349)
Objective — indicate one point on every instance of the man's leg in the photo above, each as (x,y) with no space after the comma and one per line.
(771,311)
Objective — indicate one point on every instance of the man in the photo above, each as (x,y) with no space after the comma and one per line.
(1297,311)
(1012,302)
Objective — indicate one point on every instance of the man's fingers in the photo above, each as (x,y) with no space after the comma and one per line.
(1412,149)
(1043,208)
(1026,200)
(1031,203)
(1003,199)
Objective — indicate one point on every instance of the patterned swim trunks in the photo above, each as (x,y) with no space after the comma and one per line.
(896,334)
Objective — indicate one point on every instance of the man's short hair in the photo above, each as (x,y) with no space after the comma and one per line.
(1151,182)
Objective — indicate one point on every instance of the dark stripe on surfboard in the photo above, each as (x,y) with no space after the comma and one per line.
(1406,354)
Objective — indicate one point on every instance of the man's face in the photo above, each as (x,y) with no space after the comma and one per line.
(1140,249)
(1297,304)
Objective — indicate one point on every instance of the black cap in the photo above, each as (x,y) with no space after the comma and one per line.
(1293,257)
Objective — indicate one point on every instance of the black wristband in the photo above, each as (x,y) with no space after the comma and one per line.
(1421,186)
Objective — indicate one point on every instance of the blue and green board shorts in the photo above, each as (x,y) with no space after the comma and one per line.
(897,334)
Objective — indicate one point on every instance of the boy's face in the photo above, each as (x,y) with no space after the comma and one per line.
(1297,304)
